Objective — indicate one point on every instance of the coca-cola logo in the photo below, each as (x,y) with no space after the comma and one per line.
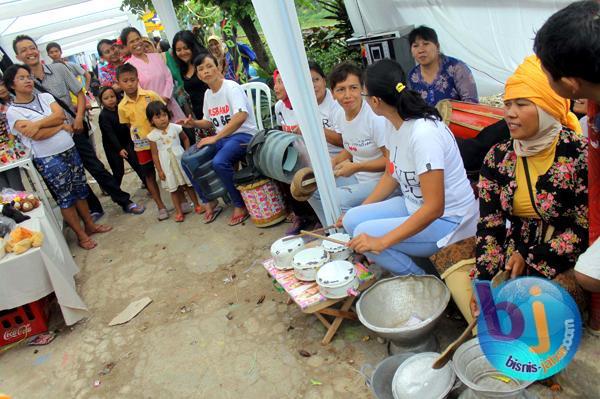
(13,333)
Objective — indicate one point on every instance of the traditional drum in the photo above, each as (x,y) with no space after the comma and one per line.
(264,202)
(466,120)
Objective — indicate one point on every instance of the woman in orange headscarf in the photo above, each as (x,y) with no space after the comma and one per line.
(537,181)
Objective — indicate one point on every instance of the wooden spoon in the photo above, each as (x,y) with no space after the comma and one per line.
(449,351)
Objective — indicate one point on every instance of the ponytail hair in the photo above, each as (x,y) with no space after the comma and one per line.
(386,79)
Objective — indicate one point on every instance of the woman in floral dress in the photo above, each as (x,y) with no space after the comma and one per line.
(537,181)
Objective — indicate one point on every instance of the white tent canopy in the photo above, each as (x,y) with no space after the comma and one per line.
(491,36)
(76,25)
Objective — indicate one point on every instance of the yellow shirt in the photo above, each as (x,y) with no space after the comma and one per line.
(133,112)
(538,166)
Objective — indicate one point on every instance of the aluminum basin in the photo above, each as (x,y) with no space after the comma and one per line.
(389,304)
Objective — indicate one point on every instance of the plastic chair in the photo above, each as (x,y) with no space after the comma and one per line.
(255,90)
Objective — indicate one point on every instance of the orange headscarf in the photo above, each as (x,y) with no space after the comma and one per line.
(530,82)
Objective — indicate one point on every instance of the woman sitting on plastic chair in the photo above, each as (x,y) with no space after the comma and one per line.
(227,108)
(437,206)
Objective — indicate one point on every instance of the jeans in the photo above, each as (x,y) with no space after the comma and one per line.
(380,218)
(96,168)
(230,150)
(349,192)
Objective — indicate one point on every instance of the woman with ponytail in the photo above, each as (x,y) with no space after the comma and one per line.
(437,206)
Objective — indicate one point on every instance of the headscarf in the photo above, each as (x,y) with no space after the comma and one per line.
(531,83)
(286,101)
(549,128)
(218,40)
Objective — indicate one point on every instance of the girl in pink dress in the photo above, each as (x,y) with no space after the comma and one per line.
(153,73)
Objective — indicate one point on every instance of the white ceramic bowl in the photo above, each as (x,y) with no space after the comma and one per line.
(308,261)
(335,278)
(283,251)
(338,251)
(415,379)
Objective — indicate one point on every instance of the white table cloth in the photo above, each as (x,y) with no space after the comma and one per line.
(40,271)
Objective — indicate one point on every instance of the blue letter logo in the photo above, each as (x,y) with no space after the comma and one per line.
(529,328)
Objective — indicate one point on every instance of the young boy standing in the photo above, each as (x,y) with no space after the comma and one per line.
(132,111)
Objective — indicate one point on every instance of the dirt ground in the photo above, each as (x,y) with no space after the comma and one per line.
(204,335)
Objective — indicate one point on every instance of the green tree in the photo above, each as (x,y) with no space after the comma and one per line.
(241,11)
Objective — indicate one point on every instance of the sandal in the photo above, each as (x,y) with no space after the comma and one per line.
(163,214)
(99,228)
(87,244)
(135,209)
(235,220)
(210,217)
(180,217)
(199,209)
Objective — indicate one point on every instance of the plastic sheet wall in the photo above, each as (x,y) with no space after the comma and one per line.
(279,22)
(492,36)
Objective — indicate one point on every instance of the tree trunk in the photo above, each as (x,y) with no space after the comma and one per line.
(256,43)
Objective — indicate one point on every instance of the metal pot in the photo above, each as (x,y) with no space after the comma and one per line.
(477,373)
(308,261)
(403,309)
(283,251)
(336,278)
(381,376)
(337,251)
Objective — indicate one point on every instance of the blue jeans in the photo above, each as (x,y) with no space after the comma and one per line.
(380,218)
(349,192)
(229,151)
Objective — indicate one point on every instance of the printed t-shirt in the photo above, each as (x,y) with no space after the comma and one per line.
(363,137)
(220,107)
(38,108)
(422,145)
(133,112)
(327,111)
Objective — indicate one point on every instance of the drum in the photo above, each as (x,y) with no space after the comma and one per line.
(466,120)
(264,202)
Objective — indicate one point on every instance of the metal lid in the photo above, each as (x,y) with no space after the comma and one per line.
(280,247)
(334,247)
(336,273)
(310,258)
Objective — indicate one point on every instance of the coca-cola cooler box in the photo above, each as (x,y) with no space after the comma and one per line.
(23,322)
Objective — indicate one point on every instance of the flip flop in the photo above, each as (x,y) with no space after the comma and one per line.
(199,209)
(87,244)
(100,228)
(179,218)
(234,221)
(210,217)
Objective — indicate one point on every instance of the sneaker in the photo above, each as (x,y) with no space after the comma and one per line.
(163,214)
(96,216)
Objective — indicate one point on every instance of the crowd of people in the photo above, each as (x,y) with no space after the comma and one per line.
(399,171)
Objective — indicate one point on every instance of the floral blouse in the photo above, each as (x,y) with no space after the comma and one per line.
(453,81)
(561,196)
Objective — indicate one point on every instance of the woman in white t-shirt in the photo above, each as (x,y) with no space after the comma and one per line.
(40,124)
(437,206)
(327,108)
(227,109)
(360,165)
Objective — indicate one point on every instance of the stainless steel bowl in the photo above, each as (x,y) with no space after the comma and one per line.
(403,309)
(476,372)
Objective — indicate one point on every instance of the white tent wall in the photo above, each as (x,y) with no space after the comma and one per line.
(491,36)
